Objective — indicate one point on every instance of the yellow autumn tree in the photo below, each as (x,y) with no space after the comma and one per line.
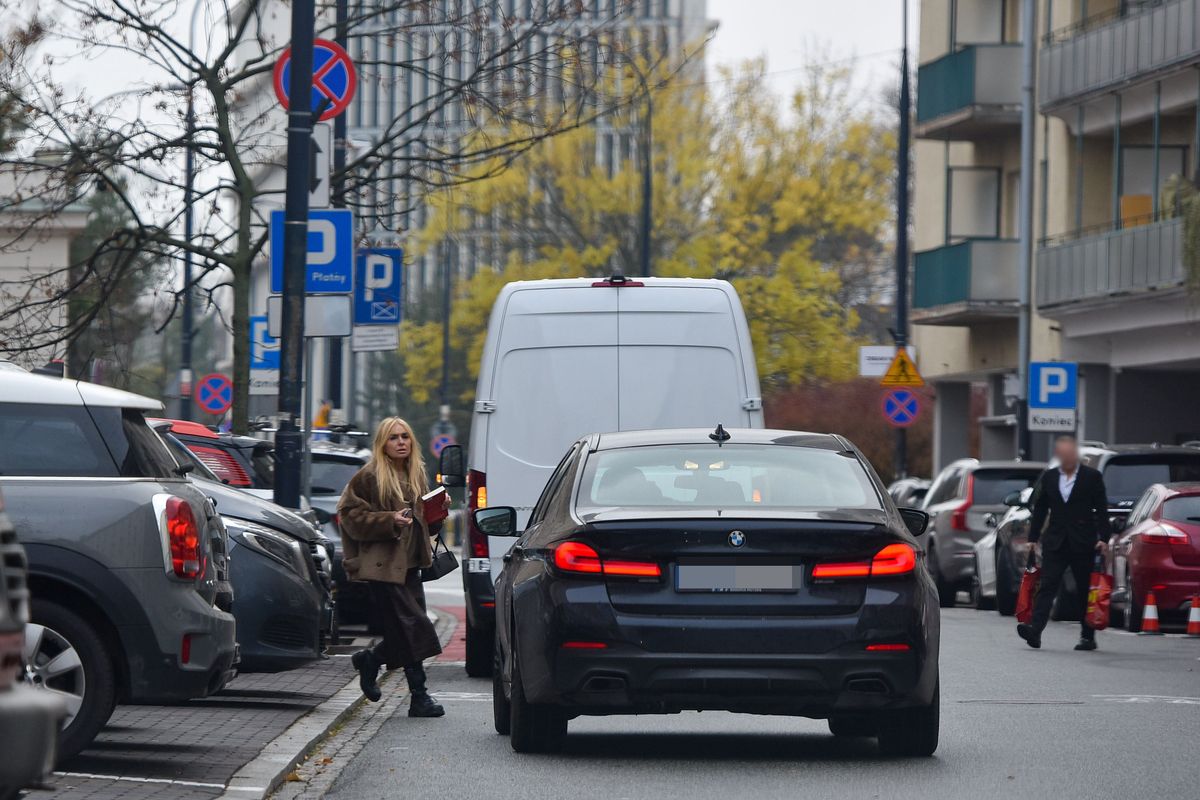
(784,204)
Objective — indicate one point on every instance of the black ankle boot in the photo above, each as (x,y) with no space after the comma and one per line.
(368,672)
(420,704)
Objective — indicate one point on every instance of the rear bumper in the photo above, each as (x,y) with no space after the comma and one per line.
(623,679)
(1173,586)
(29,721)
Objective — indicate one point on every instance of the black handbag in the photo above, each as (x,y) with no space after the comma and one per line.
(444,562)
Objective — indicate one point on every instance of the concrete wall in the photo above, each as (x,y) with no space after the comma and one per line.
(1157,406)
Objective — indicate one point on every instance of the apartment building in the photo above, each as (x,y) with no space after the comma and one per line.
(1118,96)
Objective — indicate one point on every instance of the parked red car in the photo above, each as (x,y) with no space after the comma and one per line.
(1159,551)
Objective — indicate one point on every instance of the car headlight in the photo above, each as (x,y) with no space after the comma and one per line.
(274,545)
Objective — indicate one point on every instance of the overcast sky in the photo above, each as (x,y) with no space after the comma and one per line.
(790,33)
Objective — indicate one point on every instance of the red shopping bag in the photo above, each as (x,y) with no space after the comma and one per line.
(1099,595)
(1028,592)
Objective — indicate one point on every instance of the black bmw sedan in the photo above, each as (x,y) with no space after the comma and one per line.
(756,571)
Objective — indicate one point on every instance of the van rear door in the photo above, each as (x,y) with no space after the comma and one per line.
(554,380)
(681,359)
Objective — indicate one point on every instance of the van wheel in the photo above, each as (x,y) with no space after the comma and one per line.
(947,593)
(480,651)
(912,732)
(535,728)
(66,657)
(501,708)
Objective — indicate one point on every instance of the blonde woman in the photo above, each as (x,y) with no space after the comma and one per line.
(385,542)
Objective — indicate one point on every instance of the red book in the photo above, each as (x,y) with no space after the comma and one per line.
(434,505)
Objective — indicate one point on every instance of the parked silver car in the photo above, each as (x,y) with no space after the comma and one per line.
(965,498)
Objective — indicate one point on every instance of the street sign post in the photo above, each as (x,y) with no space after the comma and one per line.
(1053,396)
(214,393)
(378,286)
(329,267)
(333,81)
(326,316)
(902,371)
(901,407)
(374,338)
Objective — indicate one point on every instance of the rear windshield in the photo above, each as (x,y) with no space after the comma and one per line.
(1126,477)
(331,476)
(993,485)
(733,476)
(1182,509)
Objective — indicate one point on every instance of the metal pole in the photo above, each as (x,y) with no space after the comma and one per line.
(1025,264)
(336,348)
(647,180)
(189,184)
(306,428)
(289,441)
(901,334)
(446,278)
(185,345)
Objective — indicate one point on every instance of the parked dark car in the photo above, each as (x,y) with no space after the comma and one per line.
(333,465)
(767,572)
(280,568)
(29,719)
(1128,471)
(128,560)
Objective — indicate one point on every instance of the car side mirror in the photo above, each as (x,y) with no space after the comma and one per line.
(1013,499)
(496,521)
(915,520)
(451,470)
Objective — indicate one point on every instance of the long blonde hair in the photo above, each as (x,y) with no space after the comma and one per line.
(397,488)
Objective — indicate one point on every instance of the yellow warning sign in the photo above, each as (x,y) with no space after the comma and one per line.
(902,372)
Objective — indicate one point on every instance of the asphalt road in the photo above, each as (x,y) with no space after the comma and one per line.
(1120,722)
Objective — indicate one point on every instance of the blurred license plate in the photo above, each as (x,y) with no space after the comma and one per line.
(737,578)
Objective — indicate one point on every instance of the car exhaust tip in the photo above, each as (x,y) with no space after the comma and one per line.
(868,686)
(604,683)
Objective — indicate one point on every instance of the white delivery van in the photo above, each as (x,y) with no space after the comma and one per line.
(564,358)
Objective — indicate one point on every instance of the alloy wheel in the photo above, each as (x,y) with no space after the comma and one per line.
(53,664)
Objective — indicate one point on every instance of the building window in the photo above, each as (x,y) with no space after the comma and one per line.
(972,203)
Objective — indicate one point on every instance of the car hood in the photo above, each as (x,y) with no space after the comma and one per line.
(233,502)
(602,514)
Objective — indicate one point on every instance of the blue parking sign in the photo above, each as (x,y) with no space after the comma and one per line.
(378,286)
(1053,384)
(264,348)
(329,268)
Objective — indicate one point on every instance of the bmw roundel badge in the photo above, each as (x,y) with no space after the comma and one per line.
(737,539)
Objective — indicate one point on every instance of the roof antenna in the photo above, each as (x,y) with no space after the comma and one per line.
(720,435)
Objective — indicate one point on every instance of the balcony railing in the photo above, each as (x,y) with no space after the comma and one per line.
(1111,264)
(1115,50)
(964,282)
(967,92)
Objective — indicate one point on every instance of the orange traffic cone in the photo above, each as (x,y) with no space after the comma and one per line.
(1150,616)
(1193,628)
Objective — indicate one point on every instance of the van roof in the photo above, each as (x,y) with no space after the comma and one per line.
(23,387)
(603,283)
(674,436)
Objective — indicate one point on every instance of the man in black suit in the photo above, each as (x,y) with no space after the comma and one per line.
(1069,524)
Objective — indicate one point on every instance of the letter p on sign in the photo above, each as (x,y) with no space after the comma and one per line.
(1053,385)
(378,274)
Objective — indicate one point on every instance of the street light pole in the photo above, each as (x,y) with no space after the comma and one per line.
(647,179)
(901,332)
(1025,232)
(289,439)
(189,184)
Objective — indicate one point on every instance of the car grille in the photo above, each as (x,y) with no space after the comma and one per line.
(289,633)
(14,591)
(324,568)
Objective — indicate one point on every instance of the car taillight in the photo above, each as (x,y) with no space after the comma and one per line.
(958,519)
(895,559)
(476,499)
(583,559)
(888,647)
(183,537)
(223,465)
(1165,534)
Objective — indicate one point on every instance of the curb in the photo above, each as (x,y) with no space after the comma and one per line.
(262,775)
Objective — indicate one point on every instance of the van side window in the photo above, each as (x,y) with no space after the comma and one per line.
(59,441)
(556,478)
